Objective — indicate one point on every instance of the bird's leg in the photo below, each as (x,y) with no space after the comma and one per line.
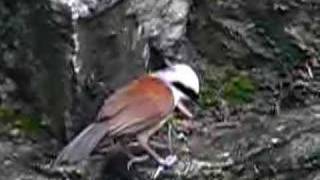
(143,139)
(118,146)
(133,158)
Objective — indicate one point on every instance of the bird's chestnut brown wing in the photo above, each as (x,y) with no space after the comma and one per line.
(138,106)
(116,102)
(138,116)
(134,108)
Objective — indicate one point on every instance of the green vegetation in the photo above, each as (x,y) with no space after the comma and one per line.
(211,87)
(25,124)
(227,84)
(239,89)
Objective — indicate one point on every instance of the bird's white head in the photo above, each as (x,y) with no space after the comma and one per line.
(182,80)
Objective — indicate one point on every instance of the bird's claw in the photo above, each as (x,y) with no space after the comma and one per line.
(136,159)
(169,160)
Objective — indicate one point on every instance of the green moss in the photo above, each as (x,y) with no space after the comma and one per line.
(6,114)
(26,124)
(226,84)
(239,89)
(208,95)
(174,120)
(211,87)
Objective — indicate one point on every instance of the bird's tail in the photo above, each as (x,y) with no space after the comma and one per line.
(83,144)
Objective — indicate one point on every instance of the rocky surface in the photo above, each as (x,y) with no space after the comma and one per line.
(258,60)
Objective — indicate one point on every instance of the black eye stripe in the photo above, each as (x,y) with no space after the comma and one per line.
(189,92)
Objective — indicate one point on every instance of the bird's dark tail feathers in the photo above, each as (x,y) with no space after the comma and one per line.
(83,144)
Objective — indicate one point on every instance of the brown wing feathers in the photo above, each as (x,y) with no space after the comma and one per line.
(129,111)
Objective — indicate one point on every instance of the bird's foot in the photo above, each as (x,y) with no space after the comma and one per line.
(168,161)
(136,159)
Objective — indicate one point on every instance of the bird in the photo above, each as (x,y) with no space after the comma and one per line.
(138,109)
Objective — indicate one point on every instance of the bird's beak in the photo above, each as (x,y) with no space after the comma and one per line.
(184,110)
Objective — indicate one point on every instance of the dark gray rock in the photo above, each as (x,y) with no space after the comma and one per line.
(59,59)
(35,60)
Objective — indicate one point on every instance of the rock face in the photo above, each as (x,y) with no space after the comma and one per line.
(258,62)
(34,61)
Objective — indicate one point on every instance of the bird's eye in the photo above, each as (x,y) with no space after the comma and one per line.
(186,90)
